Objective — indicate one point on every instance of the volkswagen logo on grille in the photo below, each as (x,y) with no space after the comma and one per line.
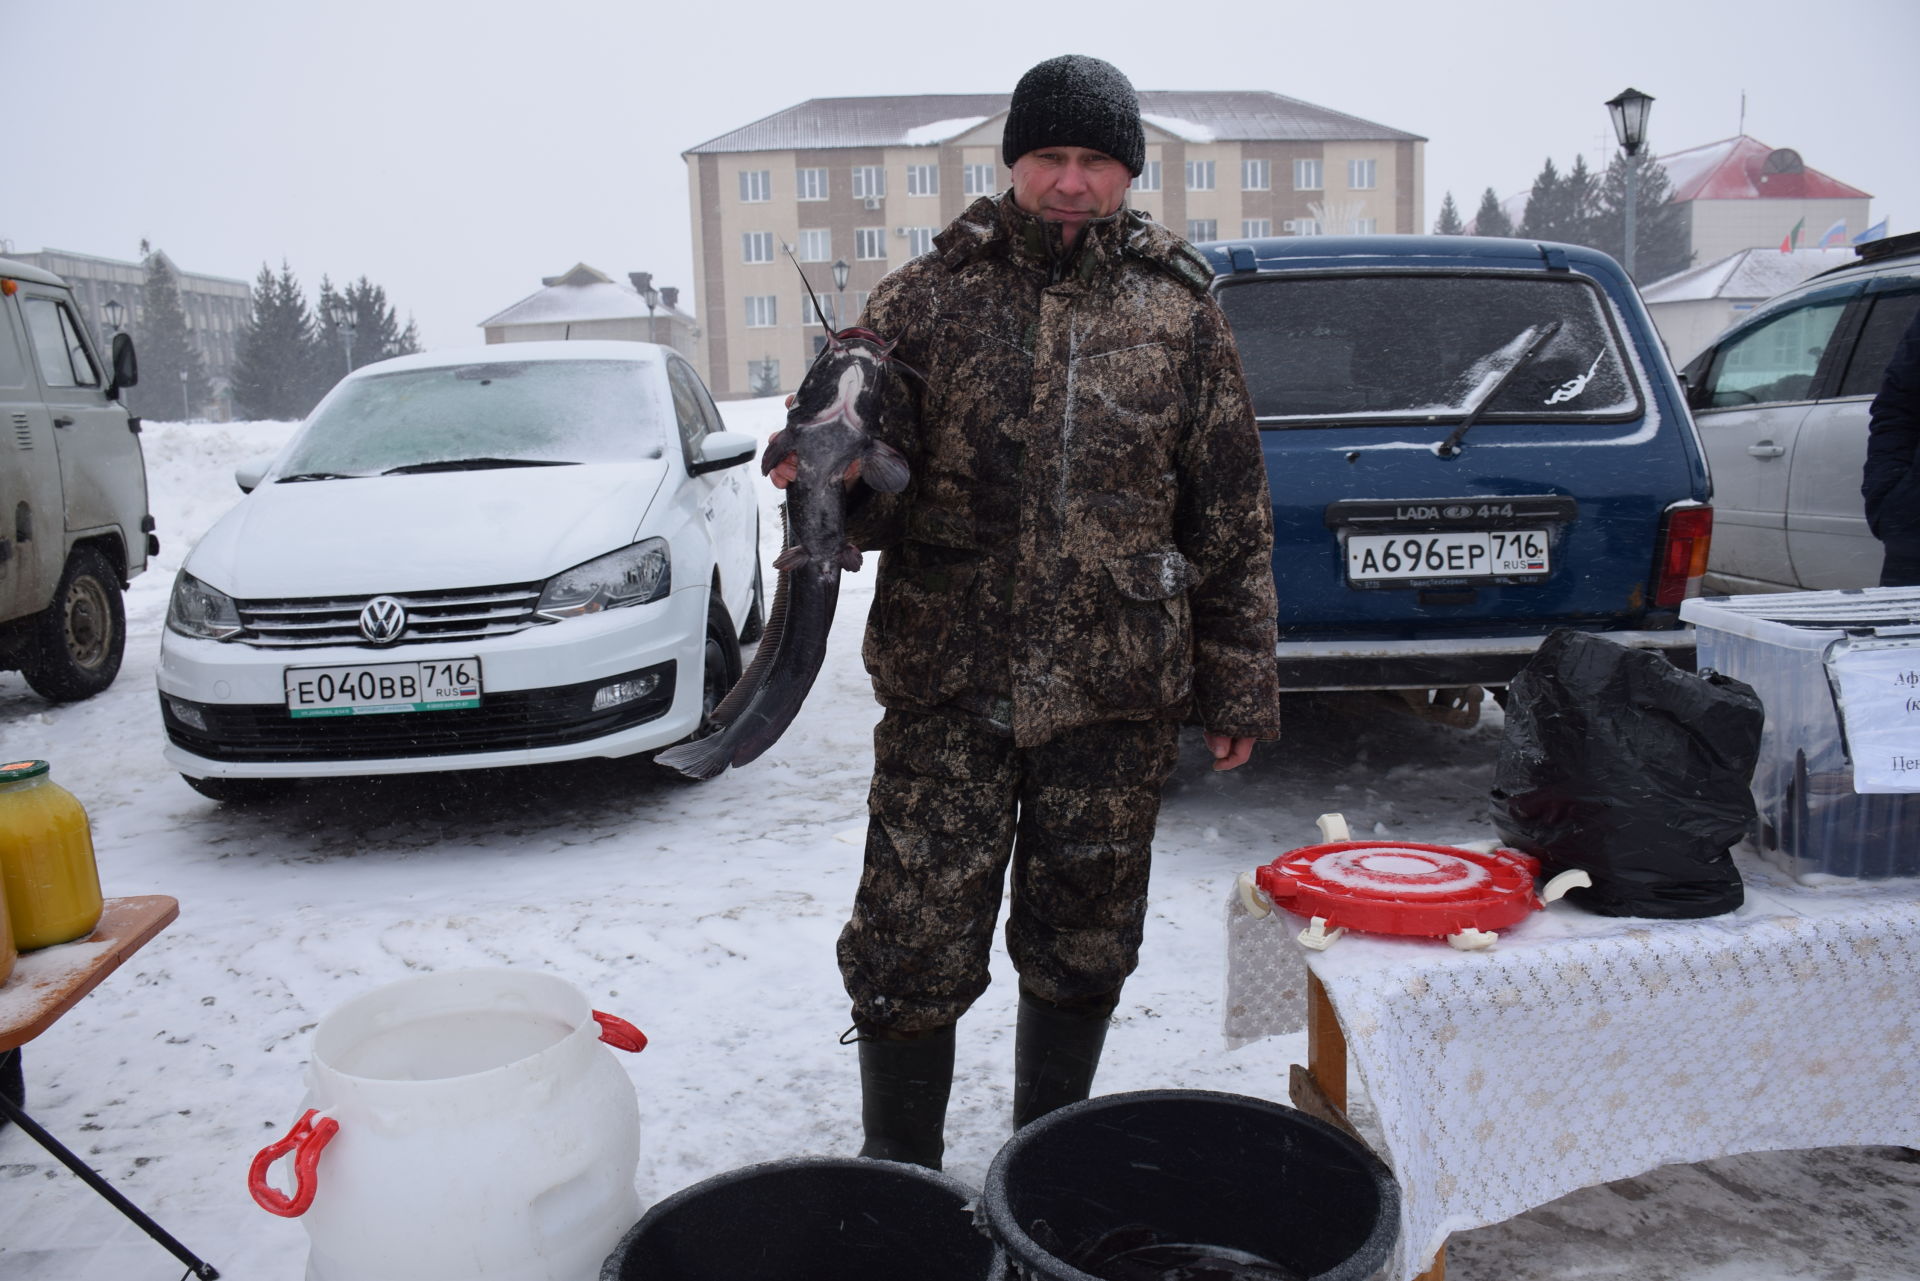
(383,620)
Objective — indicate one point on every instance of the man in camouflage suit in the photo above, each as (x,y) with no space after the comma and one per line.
(1080,563)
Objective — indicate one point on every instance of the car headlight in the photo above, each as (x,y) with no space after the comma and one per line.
(631,576)
(200,610)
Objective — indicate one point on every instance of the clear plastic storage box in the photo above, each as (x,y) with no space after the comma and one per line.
(1810,817)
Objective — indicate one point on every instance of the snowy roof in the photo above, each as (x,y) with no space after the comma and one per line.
(583,293)
(924,120)
(1744,168)
(1750,274)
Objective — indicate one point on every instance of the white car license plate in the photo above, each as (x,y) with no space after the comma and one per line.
(383,687)
(1451,554)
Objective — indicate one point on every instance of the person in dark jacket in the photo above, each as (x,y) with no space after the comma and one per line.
(1081,561)
(1891,480)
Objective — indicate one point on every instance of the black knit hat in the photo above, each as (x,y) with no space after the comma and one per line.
(1076,101)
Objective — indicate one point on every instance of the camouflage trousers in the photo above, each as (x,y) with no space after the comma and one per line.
(953,803)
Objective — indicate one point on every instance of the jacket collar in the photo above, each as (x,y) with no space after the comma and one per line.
(996,224)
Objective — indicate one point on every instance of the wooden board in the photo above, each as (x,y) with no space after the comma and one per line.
(49,981)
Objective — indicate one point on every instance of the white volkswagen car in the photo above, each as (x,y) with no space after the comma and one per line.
(523,553)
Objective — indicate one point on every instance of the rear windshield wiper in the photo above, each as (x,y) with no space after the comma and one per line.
(316,475)
(1450,447)
(475,464)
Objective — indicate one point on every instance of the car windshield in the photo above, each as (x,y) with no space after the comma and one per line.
(484,415)
(1424,346)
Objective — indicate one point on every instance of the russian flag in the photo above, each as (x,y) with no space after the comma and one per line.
(1834,235)
(1876,232)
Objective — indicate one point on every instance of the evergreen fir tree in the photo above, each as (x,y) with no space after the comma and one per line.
(1448,224)
(1491,220)
(328,357)
(409,339)
(273,353)
(1660,229)
(1546,211)
(166,347)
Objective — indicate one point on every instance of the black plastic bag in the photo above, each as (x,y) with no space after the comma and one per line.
(1620,764)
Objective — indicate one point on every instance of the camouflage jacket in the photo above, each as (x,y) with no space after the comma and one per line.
(1087,535)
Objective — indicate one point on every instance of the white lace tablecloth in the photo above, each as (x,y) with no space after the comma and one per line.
(1582,1049)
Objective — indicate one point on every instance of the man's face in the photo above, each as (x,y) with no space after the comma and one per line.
(1069,185)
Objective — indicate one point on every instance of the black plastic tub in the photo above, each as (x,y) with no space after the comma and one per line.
(1159,1182)
(811,1217)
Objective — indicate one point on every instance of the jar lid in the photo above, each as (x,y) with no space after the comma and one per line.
(15,771)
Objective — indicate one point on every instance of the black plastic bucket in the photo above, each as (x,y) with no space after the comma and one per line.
(1161,1182)
(810,1217)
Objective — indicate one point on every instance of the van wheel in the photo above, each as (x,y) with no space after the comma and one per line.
(76,643)
(239,791)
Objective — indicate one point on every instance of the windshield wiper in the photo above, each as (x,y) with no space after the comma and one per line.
(316,475)
(1450,447)
(475,464)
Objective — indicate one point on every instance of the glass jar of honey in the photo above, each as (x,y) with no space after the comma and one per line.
(47,873)
(7,953)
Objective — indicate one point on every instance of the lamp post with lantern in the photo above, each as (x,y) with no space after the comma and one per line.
(652,297)
(1629,111)
(341,314)
(840,270)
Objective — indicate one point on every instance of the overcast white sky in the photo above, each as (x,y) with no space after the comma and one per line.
(457,152)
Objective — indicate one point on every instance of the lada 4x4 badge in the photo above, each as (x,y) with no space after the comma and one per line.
(383,620)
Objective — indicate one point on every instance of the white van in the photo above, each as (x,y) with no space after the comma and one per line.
(74,525)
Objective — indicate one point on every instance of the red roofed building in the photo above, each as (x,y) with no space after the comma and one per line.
(1742,194)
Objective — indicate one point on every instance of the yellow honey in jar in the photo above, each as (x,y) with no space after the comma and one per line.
(7,953)
(47,873)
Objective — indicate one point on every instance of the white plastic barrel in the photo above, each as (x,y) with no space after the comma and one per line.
(483,1131)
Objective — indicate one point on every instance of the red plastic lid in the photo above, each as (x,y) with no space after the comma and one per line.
(1428,891)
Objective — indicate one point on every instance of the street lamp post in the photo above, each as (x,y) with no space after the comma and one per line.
(342,317)
(1629,111)
(186,412)
(840,270)
(116,312)
(652,296)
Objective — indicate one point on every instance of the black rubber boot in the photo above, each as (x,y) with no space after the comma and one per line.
(905,1079)
(1055,1051)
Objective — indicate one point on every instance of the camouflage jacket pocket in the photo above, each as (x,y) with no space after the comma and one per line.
(921,637)
(1143,660)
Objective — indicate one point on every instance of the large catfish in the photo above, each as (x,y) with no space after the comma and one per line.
(827,431)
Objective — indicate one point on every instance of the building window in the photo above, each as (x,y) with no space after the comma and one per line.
(816,245)
(756,246)
(756,186)
(1199,175)
(810,184)
(816,309)
(923,180)
(869,182)
(1203,229)
(1365,226)
(1253,228)
(870,243)
(1360,174)
(1149,179)
(762,310)
(1303,226)
(763,377)
(1255,175)
(979,180)
(1306,175)
(919,241)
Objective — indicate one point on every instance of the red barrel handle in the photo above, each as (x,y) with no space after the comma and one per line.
(619,1033)
(310,1138)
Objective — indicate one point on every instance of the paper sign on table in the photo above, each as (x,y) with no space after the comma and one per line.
(1879,699)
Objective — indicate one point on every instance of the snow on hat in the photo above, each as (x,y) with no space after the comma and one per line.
(1076,101)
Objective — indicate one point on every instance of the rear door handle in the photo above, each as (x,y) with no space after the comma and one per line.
(1766,449)
(62,420)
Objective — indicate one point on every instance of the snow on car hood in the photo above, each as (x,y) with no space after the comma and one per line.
(416,533)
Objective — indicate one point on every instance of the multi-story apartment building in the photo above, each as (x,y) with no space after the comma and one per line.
(869,181)
(217,308)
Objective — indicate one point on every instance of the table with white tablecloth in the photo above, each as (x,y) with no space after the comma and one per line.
(1582,1049)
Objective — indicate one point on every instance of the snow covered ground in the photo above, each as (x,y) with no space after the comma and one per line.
(706,914)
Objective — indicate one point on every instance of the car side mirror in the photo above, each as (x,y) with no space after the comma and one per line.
(720,450)
(126,366)
(247,475)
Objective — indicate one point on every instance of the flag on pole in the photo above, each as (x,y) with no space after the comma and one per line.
(1834,235)
(1876,232)
(1792,242)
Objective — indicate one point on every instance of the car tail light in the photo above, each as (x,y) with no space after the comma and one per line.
(1685,535)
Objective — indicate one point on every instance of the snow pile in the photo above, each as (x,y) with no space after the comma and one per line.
(939,131)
